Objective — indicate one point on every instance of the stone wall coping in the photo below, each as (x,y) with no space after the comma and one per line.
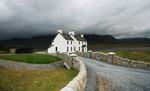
(77,84)
(89,51)
(73,55)
(111,53)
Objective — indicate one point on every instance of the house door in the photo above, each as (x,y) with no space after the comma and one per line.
(82,49)
(56,49)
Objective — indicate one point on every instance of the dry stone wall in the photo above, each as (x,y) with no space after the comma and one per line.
(27,66)
(79,82)
(112,58)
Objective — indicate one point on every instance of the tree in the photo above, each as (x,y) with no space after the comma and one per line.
(13,46)
(1,48)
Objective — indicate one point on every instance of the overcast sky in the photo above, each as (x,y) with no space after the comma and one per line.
(119,18)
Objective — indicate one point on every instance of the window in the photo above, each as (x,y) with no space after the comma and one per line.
(74,48)
(67,41)
(56,49)
(79,48)
(71,48)
(67,49)
(79,42)
(71,42)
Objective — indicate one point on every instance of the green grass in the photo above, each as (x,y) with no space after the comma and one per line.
(27,80)
(117,45)
(32,58)
(118,53)
(138,55)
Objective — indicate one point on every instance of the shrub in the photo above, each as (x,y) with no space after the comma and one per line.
(13,46)
(1,48)
(24,50)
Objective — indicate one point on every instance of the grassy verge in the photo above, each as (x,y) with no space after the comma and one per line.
(25,80)
(118,53)
(32,58)
(117,45)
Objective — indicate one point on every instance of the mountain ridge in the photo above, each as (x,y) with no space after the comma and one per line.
(45,40)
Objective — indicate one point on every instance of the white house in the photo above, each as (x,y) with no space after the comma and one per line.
(68,42)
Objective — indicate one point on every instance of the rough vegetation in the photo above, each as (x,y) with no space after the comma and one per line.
(26,80)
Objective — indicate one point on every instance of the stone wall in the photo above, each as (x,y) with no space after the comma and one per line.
(27,66)
(79,82)
(112,58)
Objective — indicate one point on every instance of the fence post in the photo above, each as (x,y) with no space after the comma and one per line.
(57,53)
(71,60)
(89,53)
(110,57)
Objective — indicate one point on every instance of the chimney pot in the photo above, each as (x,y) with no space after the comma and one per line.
(59,30)
(71,32)
(82,35)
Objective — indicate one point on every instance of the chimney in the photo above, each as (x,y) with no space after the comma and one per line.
(59,30)
(82,35)
(71,32)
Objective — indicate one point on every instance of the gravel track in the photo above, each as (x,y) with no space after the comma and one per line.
(102,76)
(116,78)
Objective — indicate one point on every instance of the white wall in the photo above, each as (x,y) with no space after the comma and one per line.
(62,45)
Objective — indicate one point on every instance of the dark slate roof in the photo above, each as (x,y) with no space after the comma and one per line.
(79,38)
(66,36)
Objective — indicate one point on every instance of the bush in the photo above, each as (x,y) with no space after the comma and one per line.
(13,46)
(1,48)
(24,50)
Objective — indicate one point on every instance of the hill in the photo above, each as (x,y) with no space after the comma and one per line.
(43,42)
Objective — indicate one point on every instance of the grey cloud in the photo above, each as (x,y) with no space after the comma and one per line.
(118,18)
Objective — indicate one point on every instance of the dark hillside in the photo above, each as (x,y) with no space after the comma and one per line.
(43,42)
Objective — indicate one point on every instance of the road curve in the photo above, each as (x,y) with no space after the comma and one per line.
(121,78)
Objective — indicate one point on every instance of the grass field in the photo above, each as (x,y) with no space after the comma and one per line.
(117,45)
(31,58)
(25,80)
(132,54)
(118,53)
(137,55)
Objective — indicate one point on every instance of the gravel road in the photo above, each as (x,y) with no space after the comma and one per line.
(117,78)
(113,77)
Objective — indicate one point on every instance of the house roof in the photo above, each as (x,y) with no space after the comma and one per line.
(83,45)
(66,36)
(79,38)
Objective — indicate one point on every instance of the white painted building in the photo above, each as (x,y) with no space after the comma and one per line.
(68,42)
